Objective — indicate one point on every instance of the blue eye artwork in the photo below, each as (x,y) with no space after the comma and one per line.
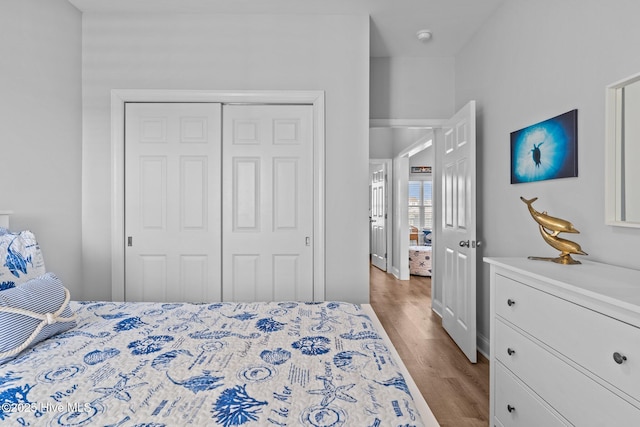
(546,150)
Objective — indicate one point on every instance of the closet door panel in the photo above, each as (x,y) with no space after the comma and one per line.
(172,202)
(267,202)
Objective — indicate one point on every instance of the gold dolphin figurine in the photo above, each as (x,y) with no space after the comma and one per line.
(567,247)
(555,225)
(550,227)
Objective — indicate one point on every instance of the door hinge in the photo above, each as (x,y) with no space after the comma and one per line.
(130,241)
(307,241)
(385,255)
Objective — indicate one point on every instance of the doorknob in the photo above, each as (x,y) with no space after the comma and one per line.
(464,243)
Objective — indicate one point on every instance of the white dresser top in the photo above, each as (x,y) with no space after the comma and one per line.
(617,286)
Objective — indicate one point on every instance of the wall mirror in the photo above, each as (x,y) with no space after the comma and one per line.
(622,157)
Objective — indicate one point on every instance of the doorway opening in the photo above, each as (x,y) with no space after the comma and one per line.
(391,148)
(454,218)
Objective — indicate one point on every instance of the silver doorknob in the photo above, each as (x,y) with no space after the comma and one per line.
(463,243)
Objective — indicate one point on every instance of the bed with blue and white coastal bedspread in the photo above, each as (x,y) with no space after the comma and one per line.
(227,364)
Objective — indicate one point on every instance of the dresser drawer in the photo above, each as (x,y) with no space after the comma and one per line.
(577,397)
(516,406)
(587,337)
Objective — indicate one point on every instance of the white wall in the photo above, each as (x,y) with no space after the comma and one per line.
(400,240)
(40,137)
(381,143)
(403,138)
(388,142)
(422,158)
(412,88)
(529,62)
(248,52)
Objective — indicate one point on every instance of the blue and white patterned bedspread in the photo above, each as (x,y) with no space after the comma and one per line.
(228,364)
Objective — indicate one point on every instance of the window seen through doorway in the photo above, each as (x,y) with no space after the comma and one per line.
(420,204)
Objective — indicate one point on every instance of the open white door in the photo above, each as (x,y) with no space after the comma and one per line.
(379,217)
(457,160)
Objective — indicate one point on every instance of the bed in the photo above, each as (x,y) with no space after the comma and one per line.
(284,363)
(420,258)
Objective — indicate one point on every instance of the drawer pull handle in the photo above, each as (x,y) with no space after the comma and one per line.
(511,408)
(619,358)
(510,302)
(511,351)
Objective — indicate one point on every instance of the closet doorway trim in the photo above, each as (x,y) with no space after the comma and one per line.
(119,97)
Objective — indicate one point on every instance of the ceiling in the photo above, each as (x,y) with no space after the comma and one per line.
(394,23)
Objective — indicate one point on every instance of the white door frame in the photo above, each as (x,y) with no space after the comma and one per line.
(388,200)
(119,97)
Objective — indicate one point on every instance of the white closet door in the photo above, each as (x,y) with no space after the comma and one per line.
(172,202)
(267,198)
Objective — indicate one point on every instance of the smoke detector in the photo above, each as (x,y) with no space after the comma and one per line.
(424,35)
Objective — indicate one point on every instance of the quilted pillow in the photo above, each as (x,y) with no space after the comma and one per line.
(32,312)
(20,258)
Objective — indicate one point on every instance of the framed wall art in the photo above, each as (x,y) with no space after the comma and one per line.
(546,150)
(420,169)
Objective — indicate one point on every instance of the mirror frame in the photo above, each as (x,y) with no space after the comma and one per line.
(612,154)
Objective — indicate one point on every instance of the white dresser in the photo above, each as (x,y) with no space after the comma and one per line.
(565,344)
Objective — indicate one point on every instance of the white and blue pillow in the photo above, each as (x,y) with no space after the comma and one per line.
(42,295)
(20,258)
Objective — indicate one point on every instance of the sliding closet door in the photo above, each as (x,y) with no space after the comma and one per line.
(267,203)
(172,202)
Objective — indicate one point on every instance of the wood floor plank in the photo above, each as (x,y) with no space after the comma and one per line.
(456,390)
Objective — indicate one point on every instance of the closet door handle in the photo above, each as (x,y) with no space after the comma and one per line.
(510,302)
(511,351)
(511,408)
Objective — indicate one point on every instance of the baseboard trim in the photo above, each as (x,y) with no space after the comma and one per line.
(436,306)
(483,345)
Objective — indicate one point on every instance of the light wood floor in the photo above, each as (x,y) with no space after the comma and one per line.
(456,390)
